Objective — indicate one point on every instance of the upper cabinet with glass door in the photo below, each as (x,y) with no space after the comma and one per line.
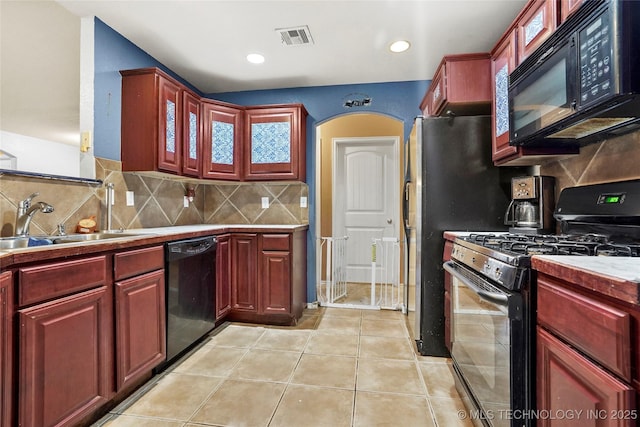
(537,22)
(191,135)
(166,127)
(152,120)
(222,140)
(275,147)
(533,25)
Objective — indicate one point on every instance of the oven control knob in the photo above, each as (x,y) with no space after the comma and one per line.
(497,273)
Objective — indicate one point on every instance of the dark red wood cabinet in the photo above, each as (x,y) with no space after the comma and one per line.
(537,21)
(244,271)
(503,62)
(65,350)
(65,358)
(191,135)
(223,276)
(88,328)
(569,383)
(166,127)
(140,318)
(461,85)
(274,273)
(268,277)
(587,356)
(275,142)
(567,7)
(6,348)
(222,140)
(151,125)
(508,52)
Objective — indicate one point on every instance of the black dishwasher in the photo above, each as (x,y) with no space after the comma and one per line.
(191,291)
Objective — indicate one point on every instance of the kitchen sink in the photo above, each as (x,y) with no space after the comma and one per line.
(14,242)
(17,242)
(73,238)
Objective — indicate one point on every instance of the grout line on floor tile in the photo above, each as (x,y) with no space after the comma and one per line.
(415,359)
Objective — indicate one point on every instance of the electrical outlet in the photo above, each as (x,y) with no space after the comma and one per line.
(130,198)
(265,203)
(303,202)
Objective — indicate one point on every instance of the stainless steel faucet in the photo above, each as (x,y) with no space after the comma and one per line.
(26,211)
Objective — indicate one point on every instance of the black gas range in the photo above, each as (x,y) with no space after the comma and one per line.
(493,294)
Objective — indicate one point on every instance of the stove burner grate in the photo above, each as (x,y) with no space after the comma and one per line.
(588,244)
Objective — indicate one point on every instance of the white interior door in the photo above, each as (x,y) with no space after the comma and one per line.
(365,197)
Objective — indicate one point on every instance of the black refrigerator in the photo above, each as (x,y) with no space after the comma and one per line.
(451,184)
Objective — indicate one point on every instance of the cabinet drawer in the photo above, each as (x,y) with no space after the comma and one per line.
(598,330)
(37,284)
(275,242)
(140,261)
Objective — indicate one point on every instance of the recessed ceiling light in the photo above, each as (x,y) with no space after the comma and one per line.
(399,46)
(255,58)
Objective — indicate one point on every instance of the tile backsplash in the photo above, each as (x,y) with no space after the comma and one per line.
(616,159)
(158,201)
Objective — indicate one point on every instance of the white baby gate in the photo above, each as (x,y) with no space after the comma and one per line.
(386,291)
(385,288)
(334,285)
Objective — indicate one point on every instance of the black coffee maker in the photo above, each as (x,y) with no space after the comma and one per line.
(531,207)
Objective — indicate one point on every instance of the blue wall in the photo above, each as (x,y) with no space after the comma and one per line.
(113,52)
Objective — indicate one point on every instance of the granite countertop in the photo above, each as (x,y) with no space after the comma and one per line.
(135,237)
(617,277)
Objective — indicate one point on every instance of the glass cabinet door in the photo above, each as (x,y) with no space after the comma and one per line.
(170,120)
(275,143)
(191,140)
(222,139)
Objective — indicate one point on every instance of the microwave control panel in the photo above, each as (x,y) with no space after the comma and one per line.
(595,59)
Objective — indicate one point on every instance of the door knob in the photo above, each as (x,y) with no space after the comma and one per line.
(389,220)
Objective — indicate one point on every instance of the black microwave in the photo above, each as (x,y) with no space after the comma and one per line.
(582,85)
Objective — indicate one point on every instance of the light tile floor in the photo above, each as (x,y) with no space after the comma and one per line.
(337,367)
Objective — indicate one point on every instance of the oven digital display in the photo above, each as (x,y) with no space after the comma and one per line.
(611,199)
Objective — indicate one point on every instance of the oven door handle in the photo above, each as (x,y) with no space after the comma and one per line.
(498,299)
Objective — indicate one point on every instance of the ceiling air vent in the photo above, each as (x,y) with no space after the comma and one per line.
(295,36)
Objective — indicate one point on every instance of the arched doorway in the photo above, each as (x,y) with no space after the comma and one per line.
(358,186)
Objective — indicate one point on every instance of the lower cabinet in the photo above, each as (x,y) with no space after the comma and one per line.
(88,328)
(140,318)
(587,357)
(244,273)
(6,348)
(92,328)
(268,277)
(65,358)
(274,274)
(569,383)
(223,276)
(140,326)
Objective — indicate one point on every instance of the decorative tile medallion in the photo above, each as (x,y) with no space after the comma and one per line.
(171,127)
(222,138)
(533,28)
(193,136)
(502,101)
(271,142)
